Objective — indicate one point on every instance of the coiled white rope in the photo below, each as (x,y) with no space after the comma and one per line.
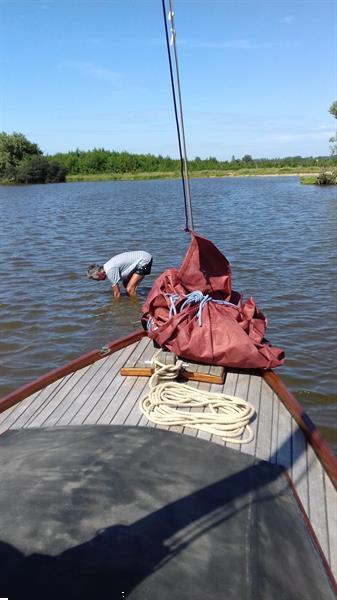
(168,403)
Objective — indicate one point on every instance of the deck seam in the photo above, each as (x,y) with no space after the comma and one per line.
(130,383)
(135,409)
(124,379)
(128,380)
(136,401)
(99,399)
(17,407)
(257,421)
(73,376)
(116,356)
(65,398)
(271,425)
(38,408)
(99,418)
(327,519)
(119,355)
(91,392)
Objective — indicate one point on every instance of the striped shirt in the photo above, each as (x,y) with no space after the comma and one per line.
(123,265)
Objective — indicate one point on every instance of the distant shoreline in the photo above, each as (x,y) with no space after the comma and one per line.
(305,176)
(193,175)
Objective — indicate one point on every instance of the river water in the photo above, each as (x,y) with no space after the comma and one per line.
(279,236)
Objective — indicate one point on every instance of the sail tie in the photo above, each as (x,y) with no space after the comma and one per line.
(195,297)
(173,298)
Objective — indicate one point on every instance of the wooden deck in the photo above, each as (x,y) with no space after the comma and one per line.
(98,394)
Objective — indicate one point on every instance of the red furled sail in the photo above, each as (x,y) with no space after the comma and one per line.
(194,313)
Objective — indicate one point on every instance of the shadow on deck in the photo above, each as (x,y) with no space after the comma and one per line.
(115,512)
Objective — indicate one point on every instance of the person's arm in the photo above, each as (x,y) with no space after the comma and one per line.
(113,275)
(116,290)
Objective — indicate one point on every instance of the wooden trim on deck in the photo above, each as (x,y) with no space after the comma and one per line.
(183,374)
(83,361)
(316,440)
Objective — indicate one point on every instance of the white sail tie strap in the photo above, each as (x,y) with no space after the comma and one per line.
(172,299)
(196,297)
(171,403)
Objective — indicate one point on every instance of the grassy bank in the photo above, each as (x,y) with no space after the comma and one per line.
(310,180)
(196,174)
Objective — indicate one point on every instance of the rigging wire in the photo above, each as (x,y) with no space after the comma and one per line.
(178,117)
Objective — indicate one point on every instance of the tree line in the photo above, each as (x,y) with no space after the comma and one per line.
(22,161)
(99,160)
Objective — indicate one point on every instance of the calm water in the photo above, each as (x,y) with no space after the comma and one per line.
(279,236)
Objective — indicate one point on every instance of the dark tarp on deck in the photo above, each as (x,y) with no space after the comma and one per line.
(218,328)
(114,512)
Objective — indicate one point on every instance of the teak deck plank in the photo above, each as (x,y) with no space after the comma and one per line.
(132,397)
(241,390)
(117,387)
(12,409)
(331,508)
(37,402)
(229,386)
(135,414)
(123,386)
(11,415)
(284,437)
(51,413)
(299,464)
(130,401)
(100,396)
(107,398)
(317,504)
(76,390)
(254,397)
(274,429)
(263,437)
(105,395)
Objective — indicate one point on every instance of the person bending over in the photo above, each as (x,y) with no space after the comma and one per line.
(129,267)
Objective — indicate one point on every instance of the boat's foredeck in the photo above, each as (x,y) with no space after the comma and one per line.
(98,394)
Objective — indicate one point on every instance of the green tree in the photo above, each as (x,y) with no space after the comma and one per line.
(333,140)
(13,149)
(333,109)
(38,169)
(56,173)
(329,176)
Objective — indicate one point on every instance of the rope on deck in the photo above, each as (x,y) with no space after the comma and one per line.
(168,403)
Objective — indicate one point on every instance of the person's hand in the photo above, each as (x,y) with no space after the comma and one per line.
(116,291)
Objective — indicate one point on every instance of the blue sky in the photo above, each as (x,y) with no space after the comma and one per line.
(257,77)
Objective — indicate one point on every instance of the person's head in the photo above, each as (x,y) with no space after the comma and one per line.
(96,272)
